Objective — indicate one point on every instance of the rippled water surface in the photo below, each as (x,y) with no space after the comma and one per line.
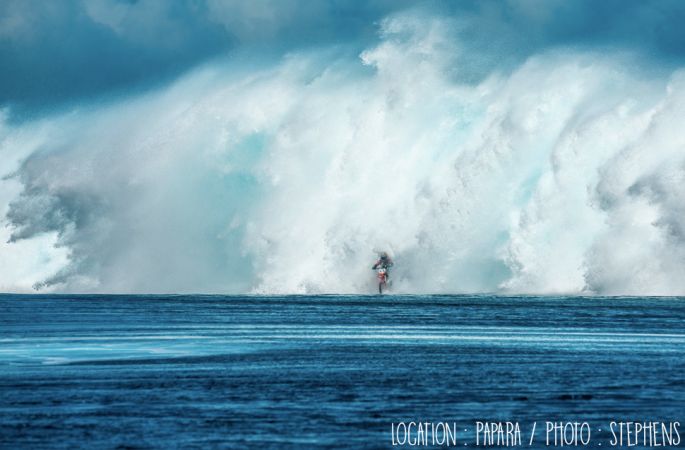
(253,372)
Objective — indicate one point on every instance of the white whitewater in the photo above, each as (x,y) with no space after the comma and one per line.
(563,176)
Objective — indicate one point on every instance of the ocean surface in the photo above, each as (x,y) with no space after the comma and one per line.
(191,371)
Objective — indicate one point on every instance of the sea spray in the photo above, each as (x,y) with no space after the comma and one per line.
(562,175)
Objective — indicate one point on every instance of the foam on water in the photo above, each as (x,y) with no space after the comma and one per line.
(563,175)
(86,329)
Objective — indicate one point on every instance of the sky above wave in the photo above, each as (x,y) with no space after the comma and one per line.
(273,146)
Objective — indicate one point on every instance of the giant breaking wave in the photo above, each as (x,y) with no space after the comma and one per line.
(564,175)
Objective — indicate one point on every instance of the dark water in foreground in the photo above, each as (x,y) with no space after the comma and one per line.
(254,372)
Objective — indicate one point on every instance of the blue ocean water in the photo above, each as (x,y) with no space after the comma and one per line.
(301,371)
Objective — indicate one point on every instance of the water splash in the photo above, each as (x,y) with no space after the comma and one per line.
(562,176)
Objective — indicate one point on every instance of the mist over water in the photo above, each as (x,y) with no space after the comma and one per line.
(285,175)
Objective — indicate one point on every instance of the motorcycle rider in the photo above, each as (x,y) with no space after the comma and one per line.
(384,262)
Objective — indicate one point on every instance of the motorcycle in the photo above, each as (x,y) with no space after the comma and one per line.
(382,275)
